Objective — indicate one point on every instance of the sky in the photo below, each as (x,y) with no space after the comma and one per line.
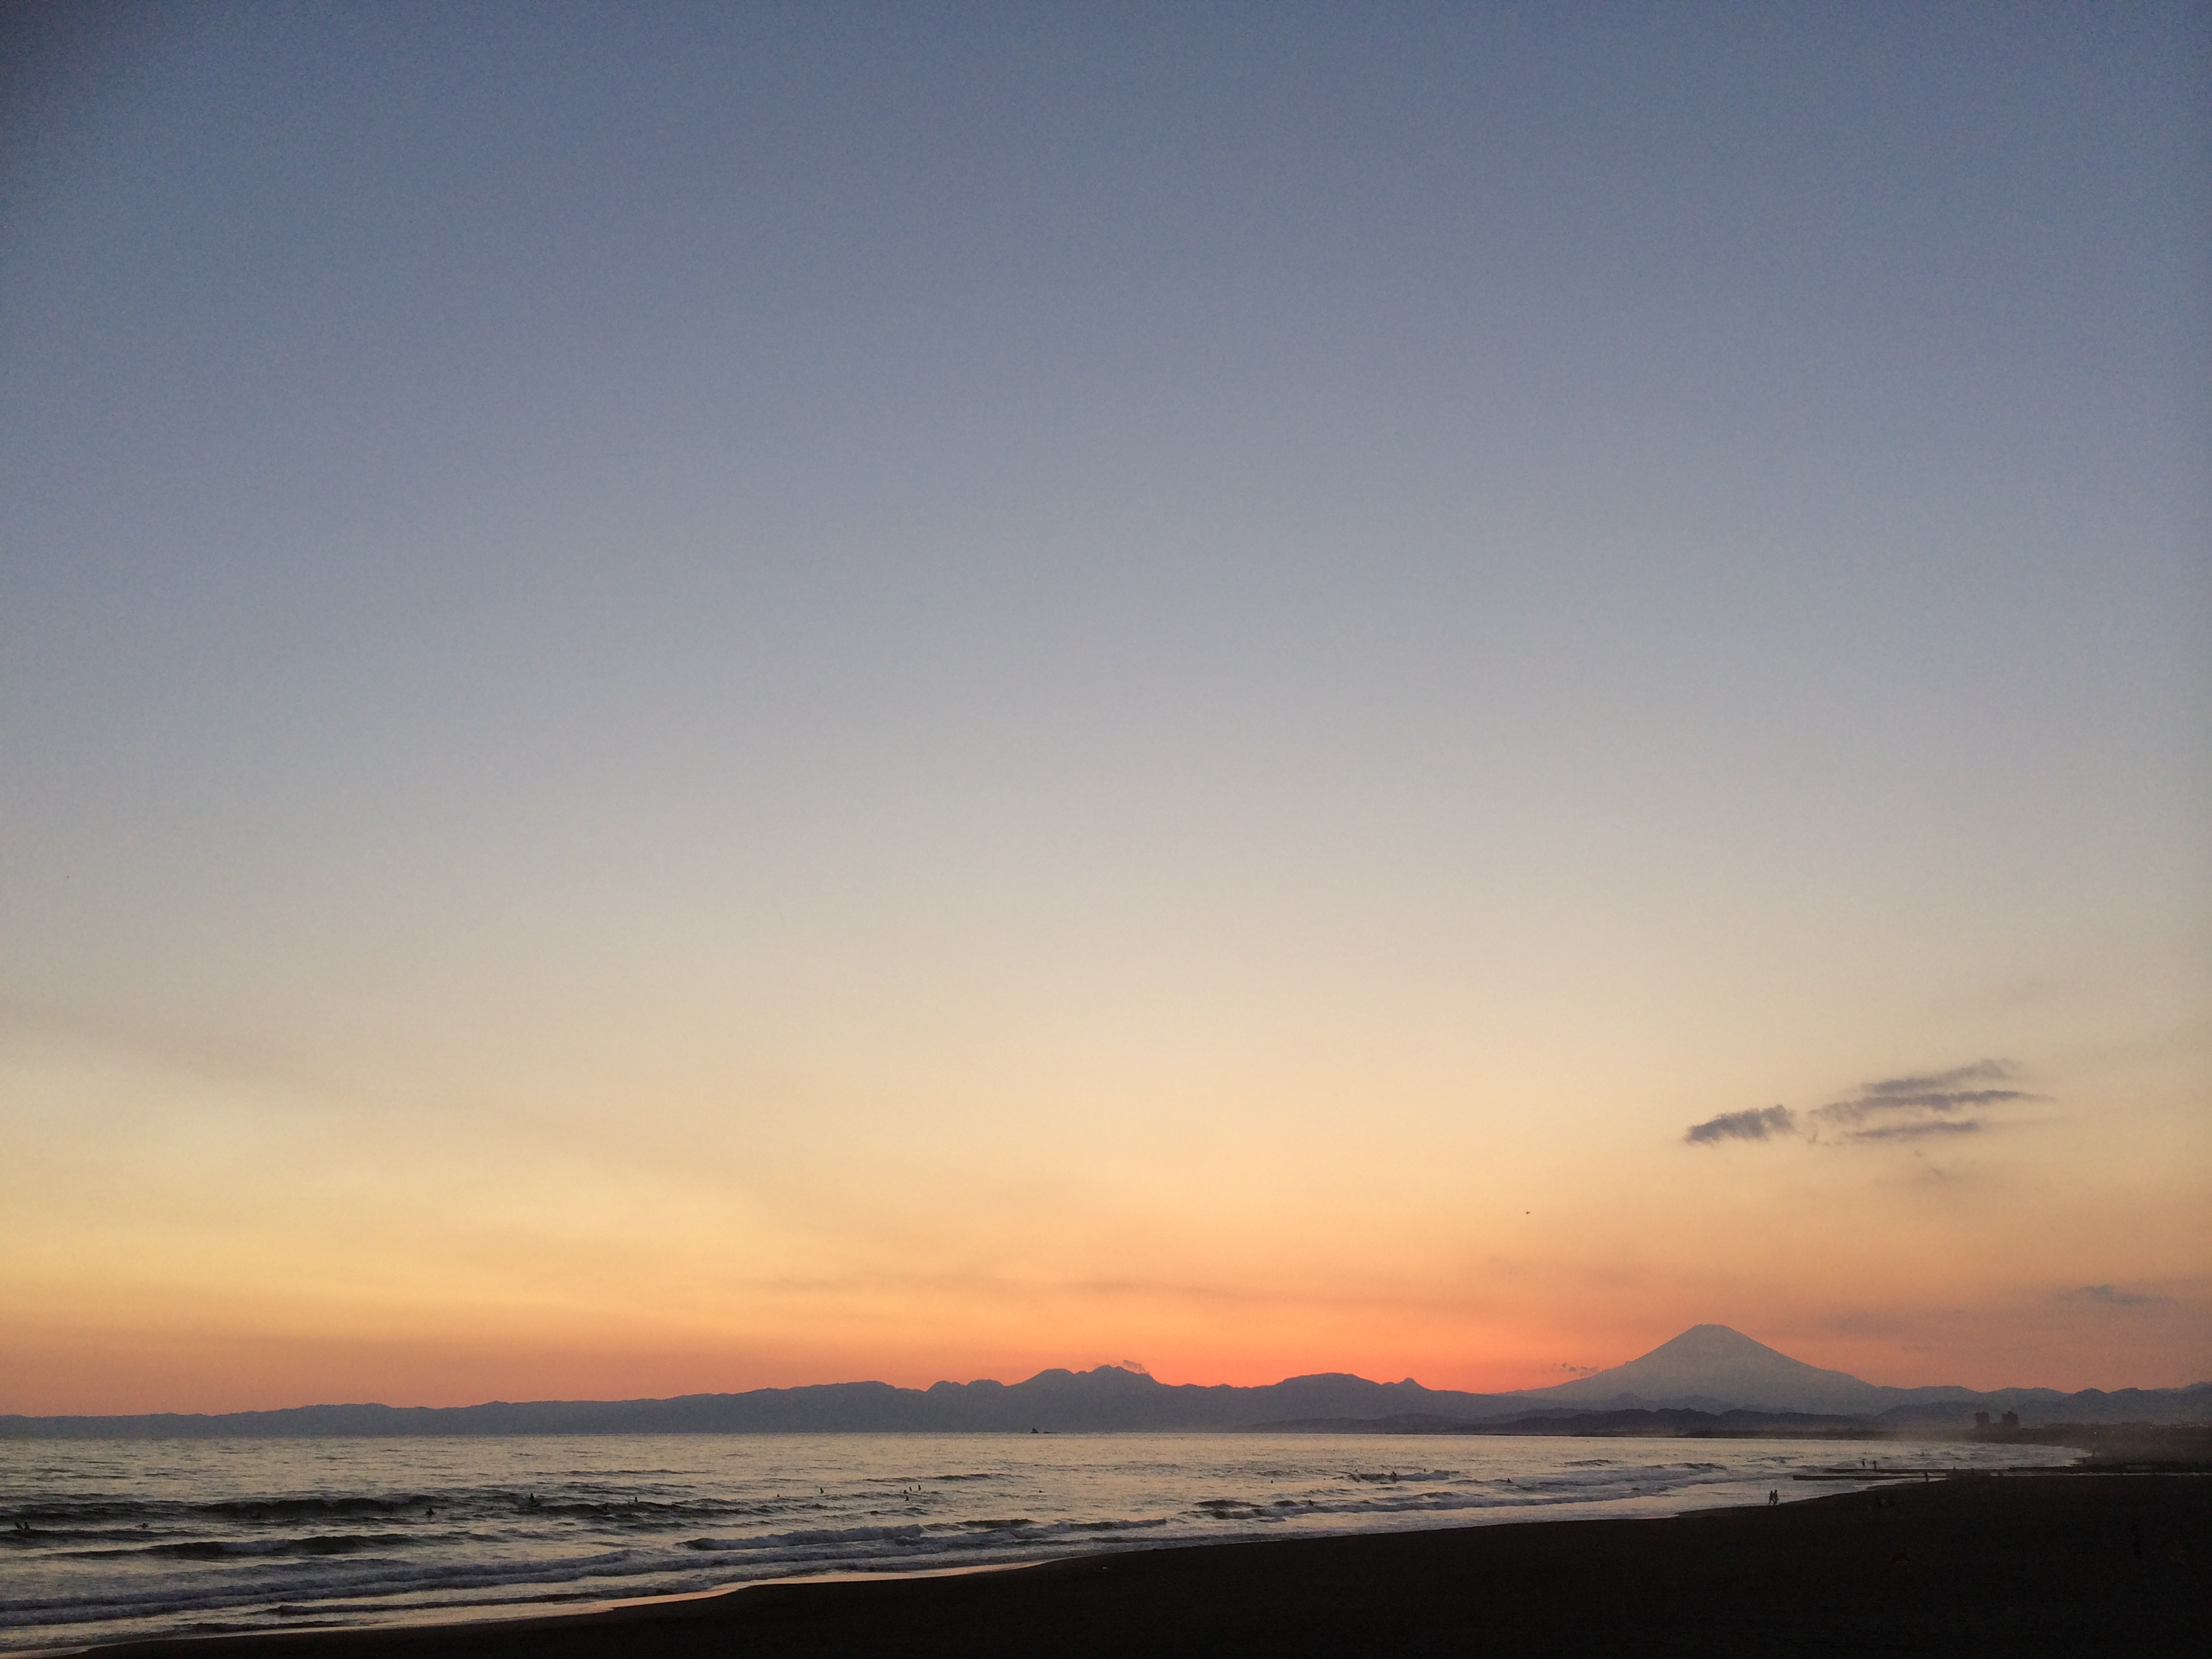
(697,697)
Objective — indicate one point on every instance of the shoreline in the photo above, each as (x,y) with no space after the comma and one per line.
(2062,1561)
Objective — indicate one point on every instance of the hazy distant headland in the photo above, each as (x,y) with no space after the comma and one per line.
(1708,1379)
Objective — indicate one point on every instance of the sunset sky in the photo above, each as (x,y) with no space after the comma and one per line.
(695,697)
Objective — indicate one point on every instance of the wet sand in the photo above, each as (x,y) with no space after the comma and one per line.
(2020,1565)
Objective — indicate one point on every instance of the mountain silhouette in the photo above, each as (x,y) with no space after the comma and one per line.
(1712,1368)
(1708,1368)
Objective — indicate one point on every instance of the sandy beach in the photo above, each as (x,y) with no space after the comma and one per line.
(2021,1564)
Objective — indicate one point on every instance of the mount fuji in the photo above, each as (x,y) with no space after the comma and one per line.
(1713,1368)
(1708,1368)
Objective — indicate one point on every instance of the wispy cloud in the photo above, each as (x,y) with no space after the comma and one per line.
(2112,1296)
(1925,1104)
(1933,1091)
(1915,1131)
(199,1052)
(1756,1124)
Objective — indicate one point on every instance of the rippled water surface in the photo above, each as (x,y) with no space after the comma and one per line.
(101,1541)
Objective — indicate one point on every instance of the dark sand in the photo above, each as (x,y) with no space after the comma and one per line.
(2021,1564)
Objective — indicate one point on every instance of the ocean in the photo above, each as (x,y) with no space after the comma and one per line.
(115,1539)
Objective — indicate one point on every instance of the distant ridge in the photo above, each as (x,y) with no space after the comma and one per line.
(1711,1368)
(1107,1399)
(1708,1369)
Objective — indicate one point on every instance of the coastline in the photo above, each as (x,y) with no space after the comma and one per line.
(2057,1562)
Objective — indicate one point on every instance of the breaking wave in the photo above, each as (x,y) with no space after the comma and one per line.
(146,1539)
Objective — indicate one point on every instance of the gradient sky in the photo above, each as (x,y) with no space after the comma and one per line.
(694,697)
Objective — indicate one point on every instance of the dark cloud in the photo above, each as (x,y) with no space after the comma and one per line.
(1757,1124)
(1913,1107)
(1941,1126)
(1932,1092)
(2112,1296)
(1981,1071)
(1927,1103)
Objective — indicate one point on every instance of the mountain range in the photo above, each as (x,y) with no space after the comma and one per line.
(1707,1369)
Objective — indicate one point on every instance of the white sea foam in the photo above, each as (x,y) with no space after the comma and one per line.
(126,1539)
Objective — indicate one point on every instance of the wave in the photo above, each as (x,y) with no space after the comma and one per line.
(172,1597)
(950,1534)
(294,1509)
(257,1541)
(782,1539)
(323,1544)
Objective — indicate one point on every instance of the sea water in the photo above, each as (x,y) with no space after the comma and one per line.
(102,1540)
